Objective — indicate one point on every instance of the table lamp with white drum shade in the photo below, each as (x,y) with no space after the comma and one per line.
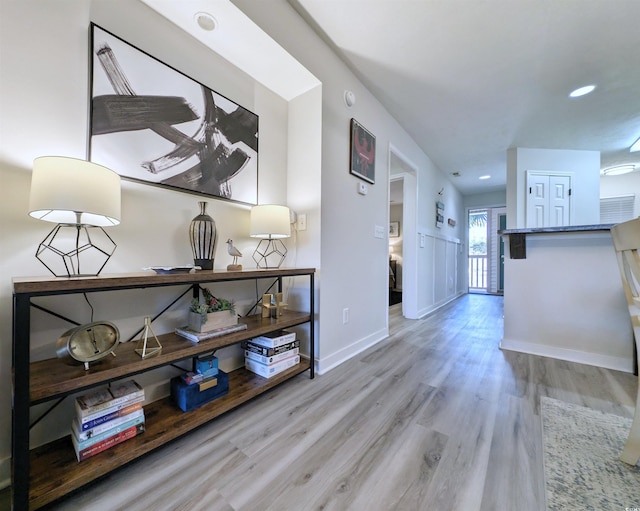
(270,222)
(81,197)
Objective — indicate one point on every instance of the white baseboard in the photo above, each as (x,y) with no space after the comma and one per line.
(580,357)
(5,473)
(326,364)
(422,313)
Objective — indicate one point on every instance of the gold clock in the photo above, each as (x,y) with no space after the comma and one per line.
(88,343)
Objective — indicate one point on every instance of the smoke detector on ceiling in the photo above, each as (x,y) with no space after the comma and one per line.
(205,21)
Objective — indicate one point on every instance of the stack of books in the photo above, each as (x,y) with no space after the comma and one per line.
(107,417)
(270,354)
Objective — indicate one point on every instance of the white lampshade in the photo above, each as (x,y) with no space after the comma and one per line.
(71,191)
(270,221)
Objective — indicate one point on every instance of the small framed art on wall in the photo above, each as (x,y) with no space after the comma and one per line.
(363,152)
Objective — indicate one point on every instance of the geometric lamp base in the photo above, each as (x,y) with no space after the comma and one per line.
(270,253)
(60,250)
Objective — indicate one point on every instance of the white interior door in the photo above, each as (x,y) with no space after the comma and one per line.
(559,200)
(537,200)
(548,199)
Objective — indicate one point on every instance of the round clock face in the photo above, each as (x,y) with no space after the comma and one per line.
(88,343)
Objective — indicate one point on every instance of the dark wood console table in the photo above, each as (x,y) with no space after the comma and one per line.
(47,473)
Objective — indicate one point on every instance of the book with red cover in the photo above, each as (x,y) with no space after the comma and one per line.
(107,442)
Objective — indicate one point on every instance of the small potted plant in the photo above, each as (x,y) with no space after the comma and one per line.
(212,313)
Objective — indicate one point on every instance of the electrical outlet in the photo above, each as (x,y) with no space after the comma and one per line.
(363,189)
(345,315)
(301,225)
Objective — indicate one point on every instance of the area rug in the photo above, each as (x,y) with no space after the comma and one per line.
(581,466)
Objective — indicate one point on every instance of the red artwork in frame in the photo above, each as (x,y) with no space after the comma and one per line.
(363,152)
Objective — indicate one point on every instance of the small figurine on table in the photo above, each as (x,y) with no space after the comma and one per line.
(235,253)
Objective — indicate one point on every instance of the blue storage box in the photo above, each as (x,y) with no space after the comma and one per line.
(206,365)
(189,397)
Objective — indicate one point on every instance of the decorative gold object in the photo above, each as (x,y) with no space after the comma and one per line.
(148,351)
(272,305)
(88,343)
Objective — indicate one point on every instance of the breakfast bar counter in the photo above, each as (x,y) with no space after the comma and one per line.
(563,297)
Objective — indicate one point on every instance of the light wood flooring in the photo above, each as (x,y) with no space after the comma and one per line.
(436,417)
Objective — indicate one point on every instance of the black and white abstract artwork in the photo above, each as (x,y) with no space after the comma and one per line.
(152,123)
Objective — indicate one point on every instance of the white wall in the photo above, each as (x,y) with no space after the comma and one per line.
(612,186)
(486,200)
(585,186)
(354,272)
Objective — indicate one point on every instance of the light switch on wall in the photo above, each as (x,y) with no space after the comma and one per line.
(379,232)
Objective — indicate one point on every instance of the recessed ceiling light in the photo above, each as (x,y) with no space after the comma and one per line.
(487,176)
(205,21)
(618,170)
(635,147)
(582,91)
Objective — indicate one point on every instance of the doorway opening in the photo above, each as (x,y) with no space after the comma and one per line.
(486,250)
(396,207)
(403,206)
(478,257)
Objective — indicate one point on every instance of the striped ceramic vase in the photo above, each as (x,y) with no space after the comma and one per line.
(203,237)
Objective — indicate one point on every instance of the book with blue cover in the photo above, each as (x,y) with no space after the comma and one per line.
(110,414)
(81,435)
(94,439)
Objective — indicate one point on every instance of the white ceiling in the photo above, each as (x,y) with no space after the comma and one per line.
(469,79)
(253,51)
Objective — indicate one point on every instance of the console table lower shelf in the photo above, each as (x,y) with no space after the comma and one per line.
(55,470)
